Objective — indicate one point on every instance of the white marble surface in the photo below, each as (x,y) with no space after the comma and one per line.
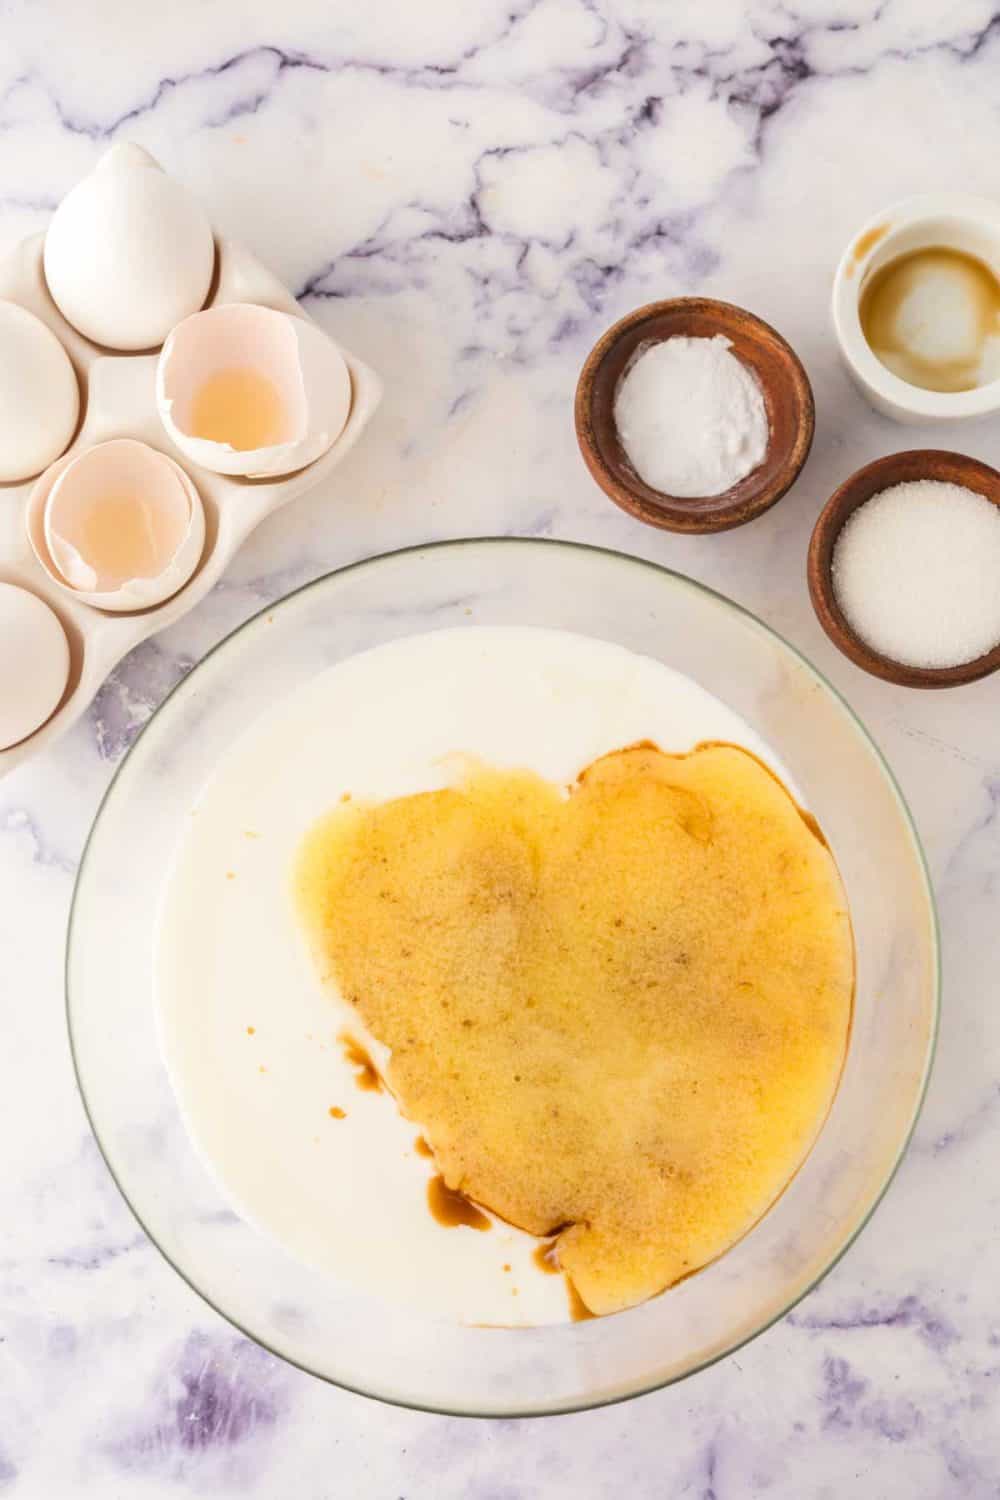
(468,194)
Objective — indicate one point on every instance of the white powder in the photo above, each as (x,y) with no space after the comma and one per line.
(691,417)
(916,571)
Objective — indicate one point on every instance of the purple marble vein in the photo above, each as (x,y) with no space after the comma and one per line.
(217,1395)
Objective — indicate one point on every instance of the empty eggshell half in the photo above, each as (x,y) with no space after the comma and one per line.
(119,525)
(39,395)
(34,664)
(247,390)
(129,252)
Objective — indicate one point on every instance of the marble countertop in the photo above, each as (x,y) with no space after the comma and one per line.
(468,194)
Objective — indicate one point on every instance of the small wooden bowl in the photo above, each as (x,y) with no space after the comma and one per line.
(897,468)
(788,398)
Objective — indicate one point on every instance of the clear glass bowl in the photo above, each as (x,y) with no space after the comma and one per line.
(357,1341)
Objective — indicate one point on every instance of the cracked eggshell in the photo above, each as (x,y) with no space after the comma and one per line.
(77,550)
(34,664)
(307,369)
(129,252)
(39,395)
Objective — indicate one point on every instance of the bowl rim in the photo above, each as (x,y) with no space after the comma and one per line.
(862,362)
(675,513)
(921,864)
(856,490)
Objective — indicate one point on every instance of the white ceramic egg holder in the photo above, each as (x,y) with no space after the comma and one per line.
(118,400)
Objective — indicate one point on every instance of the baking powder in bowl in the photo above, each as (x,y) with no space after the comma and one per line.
(691,417)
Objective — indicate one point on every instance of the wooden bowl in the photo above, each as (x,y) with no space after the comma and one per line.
(787,396)
(897,468)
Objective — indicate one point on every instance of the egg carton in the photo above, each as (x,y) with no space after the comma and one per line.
(118,399)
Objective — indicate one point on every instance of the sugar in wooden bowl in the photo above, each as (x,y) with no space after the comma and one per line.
(904,568)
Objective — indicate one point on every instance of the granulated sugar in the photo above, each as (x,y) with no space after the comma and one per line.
(691,417)
(916,571)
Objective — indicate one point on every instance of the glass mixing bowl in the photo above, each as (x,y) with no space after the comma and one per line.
(357,1341)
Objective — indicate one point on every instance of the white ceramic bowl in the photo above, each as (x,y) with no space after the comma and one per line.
(959,221)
